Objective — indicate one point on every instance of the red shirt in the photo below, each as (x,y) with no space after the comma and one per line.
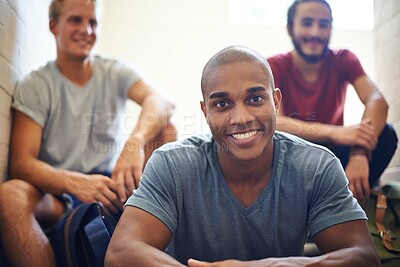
(322,101)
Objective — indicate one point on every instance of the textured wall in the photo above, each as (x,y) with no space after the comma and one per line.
(25,44)
(387,60)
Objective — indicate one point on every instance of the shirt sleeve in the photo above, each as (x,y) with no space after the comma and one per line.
(156,193)
(349,66)
(125,75)
(333,202)
(31,97)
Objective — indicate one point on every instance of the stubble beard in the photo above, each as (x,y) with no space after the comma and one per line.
(310,58)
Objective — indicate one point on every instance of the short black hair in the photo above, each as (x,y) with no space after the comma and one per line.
(235,54)
(292,10)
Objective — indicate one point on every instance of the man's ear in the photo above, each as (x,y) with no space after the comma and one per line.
(289,30)
(277,99)
(203,108)
(52,26)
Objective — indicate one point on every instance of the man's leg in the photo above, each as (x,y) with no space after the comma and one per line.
(24,210)
(381,156)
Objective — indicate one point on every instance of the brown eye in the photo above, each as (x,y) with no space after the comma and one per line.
(221,104)
(75,19)
(256,99)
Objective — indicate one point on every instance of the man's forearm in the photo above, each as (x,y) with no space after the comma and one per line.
(347,257)
(45,177)
(130,254)
(154,117)
(312,131)
(377,111)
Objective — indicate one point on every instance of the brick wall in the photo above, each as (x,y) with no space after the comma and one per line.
(387,59)
(25,44)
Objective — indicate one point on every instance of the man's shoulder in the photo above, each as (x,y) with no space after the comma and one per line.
(114,65)
(190,154)
(279,58)
(200,142)
(44,70)
(341,53)
(107,61)
(44,73)
(294,142)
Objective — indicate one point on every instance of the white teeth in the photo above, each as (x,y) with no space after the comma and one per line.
(244,136)
(82,42)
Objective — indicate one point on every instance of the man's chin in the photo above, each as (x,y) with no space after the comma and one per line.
(312,58)
(81,56)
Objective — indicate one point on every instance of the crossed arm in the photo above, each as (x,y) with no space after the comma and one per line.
(140,240)
(361,137)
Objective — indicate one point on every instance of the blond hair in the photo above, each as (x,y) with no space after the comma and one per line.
(56,7)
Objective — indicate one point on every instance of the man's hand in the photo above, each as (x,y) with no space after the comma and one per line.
(129,168)
(357,171)
(272,262)
(226,263)
(363,135)
(101,189)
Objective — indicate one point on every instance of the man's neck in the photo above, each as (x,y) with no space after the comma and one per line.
(78,71)
(301,64)
(309,71)
(247,179)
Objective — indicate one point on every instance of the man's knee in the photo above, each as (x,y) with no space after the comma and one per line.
(18,193)
(388,139)
(389,134)
(19,198)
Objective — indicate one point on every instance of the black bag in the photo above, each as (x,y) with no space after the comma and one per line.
(383,211)
(81,238)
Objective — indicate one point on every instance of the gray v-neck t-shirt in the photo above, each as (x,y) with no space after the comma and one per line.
(183,186)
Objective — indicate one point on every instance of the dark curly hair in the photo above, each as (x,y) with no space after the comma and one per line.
(292,10)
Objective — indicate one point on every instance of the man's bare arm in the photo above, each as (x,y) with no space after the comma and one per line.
(362,134)
(25,144)
(376,107)
(154,119)
(344,245)
(139,238)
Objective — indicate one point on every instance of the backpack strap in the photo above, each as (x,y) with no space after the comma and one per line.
(381,206)
(98,237)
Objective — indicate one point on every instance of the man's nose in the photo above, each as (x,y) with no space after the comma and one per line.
(240,115)
(315,29)
(86,27)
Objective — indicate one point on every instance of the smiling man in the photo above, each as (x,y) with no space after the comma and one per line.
(313,80)
(245,195)
(68,135)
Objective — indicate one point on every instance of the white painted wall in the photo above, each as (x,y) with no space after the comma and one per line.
(171,40)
